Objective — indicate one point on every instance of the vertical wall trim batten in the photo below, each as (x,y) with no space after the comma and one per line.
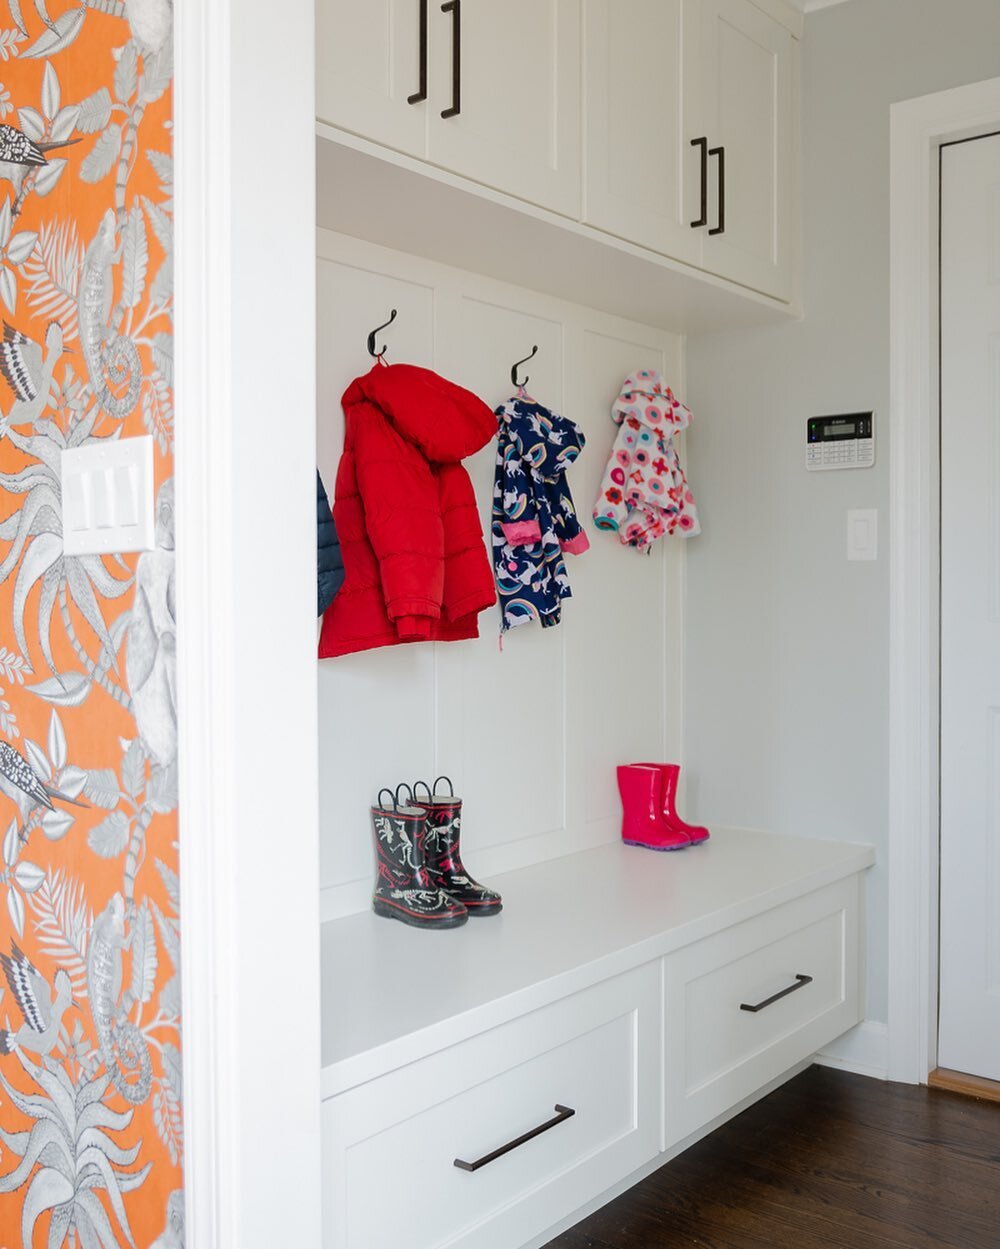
(246,589)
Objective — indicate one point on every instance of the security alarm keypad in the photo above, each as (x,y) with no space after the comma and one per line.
(840,441)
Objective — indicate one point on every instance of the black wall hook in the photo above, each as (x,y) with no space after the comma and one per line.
(514,368)
(371,337)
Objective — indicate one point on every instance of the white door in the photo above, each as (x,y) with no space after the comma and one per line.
(969,1035)
(642,175)
(512,70)
(747,69)
(371,65)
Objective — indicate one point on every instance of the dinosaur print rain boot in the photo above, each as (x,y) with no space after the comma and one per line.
(444,857)
(669,776)
(404,887)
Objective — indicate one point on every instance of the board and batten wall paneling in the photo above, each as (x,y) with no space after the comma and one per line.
(530,733)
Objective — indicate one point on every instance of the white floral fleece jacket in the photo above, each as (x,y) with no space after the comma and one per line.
(644,493)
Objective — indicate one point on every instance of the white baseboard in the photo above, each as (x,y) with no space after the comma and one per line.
(864,1050)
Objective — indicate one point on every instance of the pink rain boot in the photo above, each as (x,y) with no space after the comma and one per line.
(641,789)
(670,772)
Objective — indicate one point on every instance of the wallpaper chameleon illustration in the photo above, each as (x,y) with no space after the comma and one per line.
(90,1061)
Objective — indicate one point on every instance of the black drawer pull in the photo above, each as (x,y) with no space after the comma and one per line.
(800,983)
(421,94)
(721,153)
(703,218)
(454,7)
(562,1114)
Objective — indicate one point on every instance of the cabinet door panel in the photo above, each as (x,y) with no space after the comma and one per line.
(367,65)
(642,177)
(747,106)
(519,125)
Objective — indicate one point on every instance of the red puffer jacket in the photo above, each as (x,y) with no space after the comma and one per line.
(415,565)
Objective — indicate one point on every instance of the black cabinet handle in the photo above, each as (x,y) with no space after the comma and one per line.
(800,983)
(703,219)
(721,153)
(454,7)
(420,95)
(562,1114)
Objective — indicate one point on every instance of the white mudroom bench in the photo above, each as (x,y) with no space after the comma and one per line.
(625,1003)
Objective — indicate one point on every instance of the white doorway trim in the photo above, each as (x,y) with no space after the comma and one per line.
(918,128)
(246,575)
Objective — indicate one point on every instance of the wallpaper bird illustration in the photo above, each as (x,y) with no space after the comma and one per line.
(90,1043)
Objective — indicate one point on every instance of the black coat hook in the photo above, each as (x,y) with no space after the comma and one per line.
(514,368)
(371,337)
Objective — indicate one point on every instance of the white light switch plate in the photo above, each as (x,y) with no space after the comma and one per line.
(862,534)
(108,503)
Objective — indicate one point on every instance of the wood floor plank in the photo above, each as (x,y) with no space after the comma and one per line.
(828,1161)
(870,1193)
(957,1123)
(575,1239)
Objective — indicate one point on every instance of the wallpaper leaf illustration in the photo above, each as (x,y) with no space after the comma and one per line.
(63,921)
(53,273)
(91,1094)
(70,1156)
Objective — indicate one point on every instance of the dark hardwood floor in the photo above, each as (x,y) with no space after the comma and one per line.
(829,1161)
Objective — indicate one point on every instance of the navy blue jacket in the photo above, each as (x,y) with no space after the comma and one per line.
(329,562)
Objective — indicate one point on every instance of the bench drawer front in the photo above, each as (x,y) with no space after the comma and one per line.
(797,966)
(390,1145)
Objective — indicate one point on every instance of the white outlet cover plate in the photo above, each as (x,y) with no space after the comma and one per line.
(108,499)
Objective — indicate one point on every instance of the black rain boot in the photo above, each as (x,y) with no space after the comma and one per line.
(444,856)
(404,887)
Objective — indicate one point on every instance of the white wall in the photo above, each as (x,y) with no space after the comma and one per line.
(531,734)
(786,723)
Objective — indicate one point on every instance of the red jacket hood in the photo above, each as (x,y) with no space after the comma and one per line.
(444,422)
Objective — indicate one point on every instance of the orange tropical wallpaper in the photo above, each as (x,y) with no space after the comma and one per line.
(90,1070)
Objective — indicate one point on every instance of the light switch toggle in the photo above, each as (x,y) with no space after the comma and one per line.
(126,495)
(108,501)
(100,480)
(76,502)
(862,534)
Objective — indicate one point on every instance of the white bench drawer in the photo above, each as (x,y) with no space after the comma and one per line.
(798,965)
(389,1146)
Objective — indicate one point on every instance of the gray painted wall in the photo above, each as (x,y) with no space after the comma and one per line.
(786,723)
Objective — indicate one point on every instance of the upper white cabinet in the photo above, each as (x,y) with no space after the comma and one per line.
(641,171)
(483,88)
(745,80)
(690,134)
(512,68)
(679,136)
(368,66)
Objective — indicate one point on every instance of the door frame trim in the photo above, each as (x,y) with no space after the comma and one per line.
(246,641)
(918,129)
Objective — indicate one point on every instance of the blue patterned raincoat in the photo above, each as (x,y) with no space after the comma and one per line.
(534,520)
